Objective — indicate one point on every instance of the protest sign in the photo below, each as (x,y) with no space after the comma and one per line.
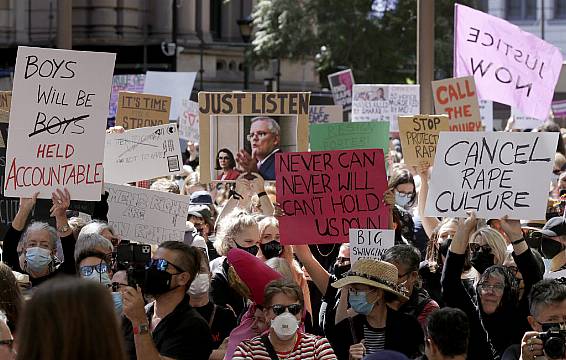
(188,121)
(177,85)
(510,66)
(524,122)
(324,194)
(495,174)
(559,108)
(225,122)
(142,110)
(419,136)
(486,114)
(60,99)
(131,82)
(370,243)
(146,216)
(141,154)
(323,114)
(341,85)
(5,100)
(457,98)
(349,136)
(8,206)
(385,103)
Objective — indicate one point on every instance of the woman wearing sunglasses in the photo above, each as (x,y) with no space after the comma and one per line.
(283,306)
(225,161)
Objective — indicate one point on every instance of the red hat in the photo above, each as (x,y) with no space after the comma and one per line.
(253,272)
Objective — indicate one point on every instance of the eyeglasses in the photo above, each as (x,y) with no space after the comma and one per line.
(161,265)
(7,342)
(497,289)
(117,286)
(279,309)
(475,247)
(354,291)
(87,270)
(259,134)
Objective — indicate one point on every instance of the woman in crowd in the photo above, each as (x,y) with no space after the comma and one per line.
(225,161)
(11,299)
(237,230)
(487,247)
(402,184)
(283,305)
(47,332)
(498,309)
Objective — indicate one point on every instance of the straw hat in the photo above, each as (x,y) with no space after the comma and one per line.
(374,273)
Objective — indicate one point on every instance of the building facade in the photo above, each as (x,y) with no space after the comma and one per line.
(206,33)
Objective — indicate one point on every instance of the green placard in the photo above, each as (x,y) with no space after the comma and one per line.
(350,136)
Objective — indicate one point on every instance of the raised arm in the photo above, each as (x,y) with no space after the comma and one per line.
(429,223)
(12,237)
(318,274)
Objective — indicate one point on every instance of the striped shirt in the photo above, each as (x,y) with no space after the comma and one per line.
(308,347)
(374,339)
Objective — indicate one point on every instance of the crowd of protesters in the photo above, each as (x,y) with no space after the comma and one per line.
(467,288)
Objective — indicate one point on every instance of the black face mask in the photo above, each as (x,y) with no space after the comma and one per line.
(550,248)
(341,270)
(156,281)
(482,260)
(444,245)
(252,249)
(271,249)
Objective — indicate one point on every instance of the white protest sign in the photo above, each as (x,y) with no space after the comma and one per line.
(370,243)
(493,173)
(188,121)
(146,216)
(524,122)
(60,98)
(177,85)
(382,102)
(486,114)
(142,154)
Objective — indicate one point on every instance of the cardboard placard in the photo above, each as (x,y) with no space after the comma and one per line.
(142,110)
(324,194)
(419,136)
(8,206)
(457,98)
(146,216)
(350,136)
(495,174)
(177,85)
(382,102)
(5,100)
(341,84)
(129,82)
(141,154)
(370,243)
(239,104)
(510,65)
(188,122)
(60,99)
(323,114)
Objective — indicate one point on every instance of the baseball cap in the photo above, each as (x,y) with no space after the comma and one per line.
(554,227)
(200,197)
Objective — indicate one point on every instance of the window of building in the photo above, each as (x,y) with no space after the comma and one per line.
(560,9)
(521,9)
(483,5)
(216,19)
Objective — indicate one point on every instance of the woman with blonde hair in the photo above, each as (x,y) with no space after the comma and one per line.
(487,247)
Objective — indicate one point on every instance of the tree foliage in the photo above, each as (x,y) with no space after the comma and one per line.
(348,34)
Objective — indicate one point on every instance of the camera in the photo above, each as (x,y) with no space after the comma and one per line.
(554,342)
(133,257)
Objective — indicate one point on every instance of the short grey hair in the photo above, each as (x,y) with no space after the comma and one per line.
(41,226)
(548,292)
(92,242)
(95,227)
(272,125)
(229,228)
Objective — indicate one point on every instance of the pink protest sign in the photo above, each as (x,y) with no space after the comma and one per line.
(509,65)
(324,194)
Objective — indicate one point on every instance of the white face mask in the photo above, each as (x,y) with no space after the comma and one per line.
(285,325)
(200,284)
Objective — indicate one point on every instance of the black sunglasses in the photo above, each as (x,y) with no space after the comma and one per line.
(161,265)
(279,309)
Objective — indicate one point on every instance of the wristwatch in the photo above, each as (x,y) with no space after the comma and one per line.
(64,228)
(141,329)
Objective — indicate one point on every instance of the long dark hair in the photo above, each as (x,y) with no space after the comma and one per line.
(403,176)
(70,318)
(232,163)
(10,296)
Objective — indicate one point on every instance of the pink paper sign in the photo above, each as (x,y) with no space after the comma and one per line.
(325,193)
(510,66)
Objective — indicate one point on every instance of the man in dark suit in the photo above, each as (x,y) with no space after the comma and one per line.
(265,141)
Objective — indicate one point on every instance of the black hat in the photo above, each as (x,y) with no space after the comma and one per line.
(554,227)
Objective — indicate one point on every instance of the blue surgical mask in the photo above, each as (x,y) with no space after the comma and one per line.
(359,302)
(402,199)
(103,278)
(118,303)
(38,259)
